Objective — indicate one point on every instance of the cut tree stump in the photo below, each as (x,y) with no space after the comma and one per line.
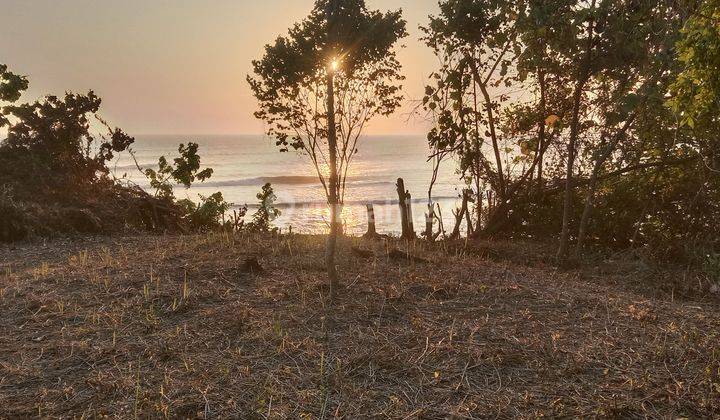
(404,201)
(372,231)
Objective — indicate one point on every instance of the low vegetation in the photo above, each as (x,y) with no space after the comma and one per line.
(587,284)
(55,180)
(238,325)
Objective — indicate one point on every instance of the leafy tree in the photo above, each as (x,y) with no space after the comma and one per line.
(51,141)
(696,92)
(185,170)
(622,67)
(55,178)
(631,76)
(488,51)
(475,41)
(53,165)
(575,93)
(321,84)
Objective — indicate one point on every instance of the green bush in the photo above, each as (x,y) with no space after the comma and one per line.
(206,215)
(266,213)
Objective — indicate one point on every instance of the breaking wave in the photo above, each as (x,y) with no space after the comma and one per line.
(318,203)
(284,180)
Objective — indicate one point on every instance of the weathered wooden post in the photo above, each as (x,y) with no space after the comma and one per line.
(401,203)
(405,216)
(372,231)
(411,222)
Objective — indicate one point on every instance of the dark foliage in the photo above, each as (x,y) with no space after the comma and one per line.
(55,179)
(607,145)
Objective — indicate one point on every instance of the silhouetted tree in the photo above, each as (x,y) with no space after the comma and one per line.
(11,87)
(319,86)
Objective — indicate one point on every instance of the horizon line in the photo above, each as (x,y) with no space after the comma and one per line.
(265,135)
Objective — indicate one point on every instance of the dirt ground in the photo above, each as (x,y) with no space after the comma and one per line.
(189,327)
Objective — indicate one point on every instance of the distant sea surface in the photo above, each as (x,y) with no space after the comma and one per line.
(243,164)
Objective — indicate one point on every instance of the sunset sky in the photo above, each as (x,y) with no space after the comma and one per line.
(175,66)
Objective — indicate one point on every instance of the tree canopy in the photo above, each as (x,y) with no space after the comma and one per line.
(697,89)
(289,81)
(543,96)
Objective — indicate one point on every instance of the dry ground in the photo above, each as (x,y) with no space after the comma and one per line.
(174,326)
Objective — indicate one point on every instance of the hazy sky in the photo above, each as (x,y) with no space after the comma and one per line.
(175,66)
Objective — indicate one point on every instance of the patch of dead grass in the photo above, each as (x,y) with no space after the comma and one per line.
(174,327)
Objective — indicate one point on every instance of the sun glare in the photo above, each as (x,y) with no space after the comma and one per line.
(334,64)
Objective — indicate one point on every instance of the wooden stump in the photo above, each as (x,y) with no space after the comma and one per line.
(372,230)
(408,231)
(411,221)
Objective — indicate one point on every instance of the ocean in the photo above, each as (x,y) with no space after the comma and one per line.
(243,164)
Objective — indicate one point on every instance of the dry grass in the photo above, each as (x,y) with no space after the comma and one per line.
(173,327)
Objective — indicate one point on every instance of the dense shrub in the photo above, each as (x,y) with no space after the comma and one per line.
(54,177)
(670,213)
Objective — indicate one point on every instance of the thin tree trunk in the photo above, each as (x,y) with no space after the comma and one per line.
(478,190)
(493,136)
(429,219)
(567,197)
(478,164)
(541,130)
(499,184)
(600,160)
(430,216)
(441,224)
(572,145)
(468,219)
(589,202)
(479,205)
(333,188)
